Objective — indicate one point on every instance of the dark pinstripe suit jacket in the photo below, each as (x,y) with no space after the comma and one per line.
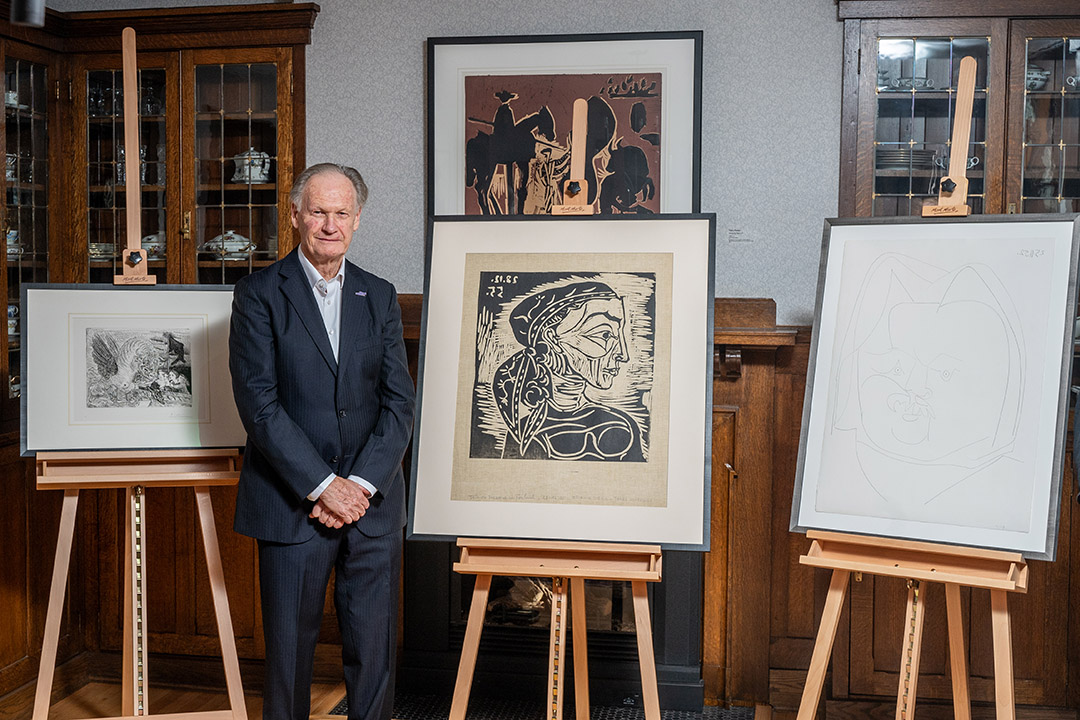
(308,415)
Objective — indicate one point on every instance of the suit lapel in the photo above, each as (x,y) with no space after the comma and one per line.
(295,287)
(356,319)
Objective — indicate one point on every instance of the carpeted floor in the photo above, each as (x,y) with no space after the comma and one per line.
(429,707)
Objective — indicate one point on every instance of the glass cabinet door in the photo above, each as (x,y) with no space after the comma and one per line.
(1045,164)
(106,171)
(916,79)
(239,168)
(26,181)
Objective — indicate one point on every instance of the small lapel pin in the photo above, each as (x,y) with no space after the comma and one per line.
(361,293)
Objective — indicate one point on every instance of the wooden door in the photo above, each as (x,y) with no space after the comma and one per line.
(238,123)
(905,75)
(1044,117)
(98,230)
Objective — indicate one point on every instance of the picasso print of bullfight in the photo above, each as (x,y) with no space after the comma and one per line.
(517,142)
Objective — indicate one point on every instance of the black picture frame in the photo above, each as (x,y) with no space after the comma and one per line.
(471,476)
(939,380)
(618,57)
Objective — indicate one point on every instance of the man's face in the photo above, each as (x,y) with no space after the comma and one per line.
(594,341)
(327,218)
(938,388)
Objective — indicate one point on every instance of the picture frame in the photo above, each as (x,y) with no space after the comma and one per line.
(939,378)
(565,380)
(116,368)
(500,110)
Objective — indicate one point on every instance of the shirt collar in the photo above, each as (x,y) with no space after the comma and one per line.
(313,276)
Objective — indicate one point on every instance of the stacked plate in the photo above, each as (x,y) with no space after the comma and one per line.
(99,251)
(901,158)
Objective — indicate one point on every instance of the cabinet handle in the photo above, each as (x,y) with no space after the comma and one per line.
(185,228)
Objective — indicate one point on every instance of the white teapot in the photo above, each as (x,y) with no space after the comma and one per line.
(229,244)
(154,245)
(252,166)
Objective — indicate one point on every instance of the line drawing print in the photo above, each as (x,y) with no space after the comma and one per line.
(564,366)
(930,381)
(128,368)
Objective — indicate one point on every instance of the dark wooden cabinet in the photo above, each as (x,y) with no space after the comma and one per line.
(901,62)
(221,121)
(217,159)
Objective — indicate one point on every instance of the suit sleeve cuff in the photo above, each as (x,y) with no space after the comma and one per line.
(364,484)
(314,494)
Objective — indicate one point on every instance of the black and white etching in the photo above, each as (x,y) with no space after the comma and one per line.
(930,387)
(564,366)
(147,368)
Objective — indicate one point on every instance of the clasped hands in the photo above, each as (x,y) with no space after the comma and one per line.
(341,503)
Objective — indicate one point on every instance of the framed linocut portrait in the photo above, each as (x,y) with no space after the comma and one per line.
(500,111)
(108,367)
(938,389)
(565,380)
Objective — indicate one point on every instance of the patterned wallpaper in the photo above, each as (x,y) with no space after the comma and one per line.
(770,126)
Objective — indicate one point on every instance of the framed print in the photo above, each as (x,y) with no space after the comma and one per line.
(111,368)
(565,380)
(500,111)
(939,380)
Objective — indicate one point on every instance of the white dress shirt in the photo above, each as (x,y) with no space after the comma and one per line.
(328,297)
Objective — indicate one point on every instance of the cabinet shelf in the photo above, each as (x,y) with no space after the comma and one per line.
(1054,93)
(23,114)
(232,187)
(236,262)
(108,262)
(936,94)
(119,119)
(243,115)
(920,173)
(119,188)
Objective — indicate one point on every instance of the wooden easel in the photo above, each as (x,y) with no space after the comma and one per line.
(566,563)
(133,471)
(133,259)
(953,188)
(576,189)
(918,562)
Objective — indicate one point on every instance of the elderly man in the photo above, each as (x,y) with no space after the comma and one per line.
(323,388)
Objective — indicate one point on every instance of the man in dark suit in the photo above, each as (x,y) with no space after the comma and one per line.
(323,388)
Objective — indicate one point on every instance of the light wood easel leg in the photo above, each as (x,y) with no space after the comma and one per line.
(560,604)
(643,625)
(957,654)
(463,685)
(221,603)
(819,661)
(1003,664)
(581,650)
(133,695)
(911,650)
(61,564)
